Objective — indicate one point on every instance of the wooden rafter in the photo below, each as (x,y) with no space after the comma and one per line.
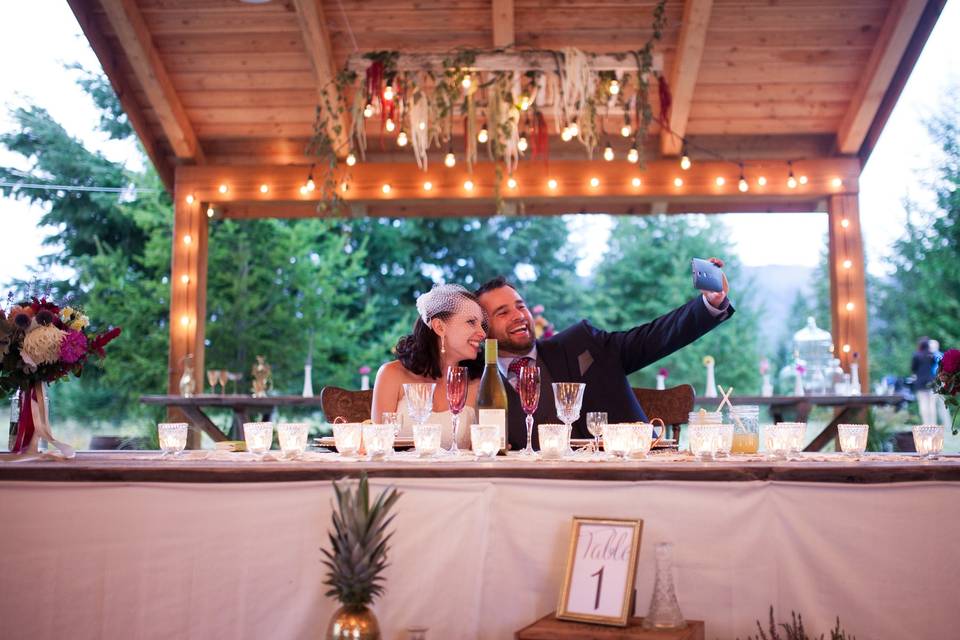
(130,29)
(686,66)
(521,60)
(892,42)
(316,38)
(503,31)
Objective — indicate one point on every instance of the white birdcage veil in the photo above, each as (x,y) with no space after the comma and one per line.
(442,298)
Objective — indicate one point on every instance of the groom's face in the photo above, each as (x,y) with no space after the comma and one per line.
(511,323)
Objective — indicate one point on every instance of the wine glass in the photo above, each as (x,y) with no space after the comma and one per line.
(419,398)
(595,422)
(457,381)
(213,376)
(568,397)
(224,378)
(528,385)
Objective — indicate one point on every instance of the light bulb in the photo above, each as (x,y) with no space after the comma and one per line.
(792,182)
(190,198)
(351,159)
(565,135)
(522,144)
(385,188)
(311,185)
(633,155)
(222,188)
(210,212)
(626,130)
(635,182)
(388,93)
(187,239)
(402,138)
(390,125)
(264,188)
(468,185)
(185,279)
(511,183)
(846,348)
(524,103)
(185,320)
(594,182)
(614,87)
(850,306)
(344,186)
(685,162)
(421,125)
(368,111)
(837,183)
(466,82)
(574,129)
(427,186)
(608,153)
(483,136)
(303,190)
(847,264)
(450,159)
(844,223)
(678,182)
(762,181)
(551,183)
(721,181)
(803,179)
(742,185)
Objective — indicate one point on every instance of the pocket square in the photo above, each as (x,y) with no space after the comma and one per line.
(584,360)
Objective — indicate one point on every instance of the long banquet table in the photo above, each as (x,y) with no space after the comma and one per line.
(125,545)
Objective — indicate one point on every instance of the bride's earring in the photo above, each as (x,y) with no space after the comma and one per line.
(443,346)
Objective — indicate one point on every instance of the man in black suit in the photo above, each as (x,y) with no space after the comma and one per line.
(583,353)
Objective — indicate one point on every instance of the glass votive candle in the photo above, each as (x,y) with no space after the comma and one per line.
(797,431)
(782,438)
(641,439)
(293,437)
(173,436)
(928,439)
(346,436)
(426,439)
(378,440)
(853,438)
(554,440)
(485,440)
(704,440)
(258,436)
(618,439)
(724,439)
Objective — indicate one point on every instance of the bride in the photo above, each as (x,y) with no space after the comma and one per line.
(449,332)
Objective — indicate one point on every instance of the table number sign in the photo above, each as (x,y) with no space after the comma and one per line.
(601,568)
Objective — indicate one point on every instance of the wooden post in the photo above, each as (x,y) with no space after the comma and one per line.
(188,294)
(848,295)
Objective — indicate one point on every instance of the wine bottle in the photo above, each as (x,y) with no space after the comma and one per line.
(492,396)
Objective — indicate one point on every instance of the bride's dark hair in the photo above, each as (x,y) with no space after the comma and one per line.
(419,352)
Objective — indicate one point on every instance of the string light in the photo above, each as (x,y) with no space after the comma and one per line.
(402,138)
(388,93)
(614,87)
(190,198)
(311,185)
(522,143)
(466,82)
(633,155)
(511,183)
(844,223)
(468,185)
(187,239)
(566,135)
(837,183)
(185,320)
(390,125)
(385,188)
(422,125)
(222,188)
(210,212)
(368,111)
(626,130)
(742,183)
(847,263)
(635,182)
(264,188)
(678,182)
(351,160)
(846,348)
(524,103)
(803,179)
(594,182)
(427,186)
(483,136)
(762,181)
(608,153)
(185,279)
(303,190)
(850,306)
(791,180)
(551,184)
(574,129)
(450,160)
(344,186)
(684,157)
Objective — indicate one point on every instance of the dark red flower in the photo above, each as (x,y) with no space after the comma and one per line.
(44,317)
(951,361)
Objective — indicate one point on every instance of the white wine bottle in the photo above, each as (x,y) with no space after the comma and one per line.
(492,396)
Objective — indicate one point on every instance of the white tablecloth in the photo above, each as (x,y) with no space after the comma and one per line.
(472,558)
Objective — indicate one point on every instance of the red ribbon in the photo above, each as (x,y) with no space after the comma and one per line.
(25,423)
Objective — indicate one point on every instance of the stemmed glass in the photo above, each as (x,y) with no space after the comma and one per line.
(528,385)
(595,422)
(568,397)
(457,381)
(419,398)
(224,378)
(213,375)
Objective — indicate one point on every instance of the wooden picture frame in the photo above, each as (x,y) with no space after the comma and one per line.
(601,569)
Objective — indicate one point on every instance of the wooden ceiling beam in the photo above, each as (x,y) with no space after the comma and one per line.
(127,97)
(316,38)
(892,41)
(503,31)
(519,60)
(686,68)
(131,30)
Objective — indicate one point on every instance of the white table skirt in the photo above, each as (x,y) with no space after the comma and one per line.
(472,558)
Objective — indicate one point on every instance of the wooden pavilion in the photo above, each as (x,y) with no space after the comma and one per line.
(223,96)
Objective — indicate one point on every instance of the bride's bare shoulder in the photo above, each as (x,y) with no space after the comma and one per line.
(393,371)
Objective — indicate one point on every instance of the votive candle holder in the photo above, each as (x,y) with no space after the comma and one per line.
(619,439)
(485,440)
(258,436)
(293,437)
(704,440)
(173,436)
(853,438)
(928,440)
(378,440)
(347,437)
(554,440)
(426,439)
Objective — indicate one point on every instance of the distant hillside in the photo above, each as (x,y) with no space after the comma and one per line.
(774,288)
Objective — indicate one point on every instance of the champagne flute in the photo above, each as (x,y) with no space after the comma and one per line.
(528,385)
(212,377)
(595,422)
(457,380)
(224,378)
(568,397)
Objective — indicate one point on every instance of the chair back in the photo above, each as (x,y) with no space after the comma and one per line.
(352,406)
(672,405)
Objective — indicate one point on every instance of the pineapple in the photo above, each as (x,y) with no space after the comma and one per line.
(359,544)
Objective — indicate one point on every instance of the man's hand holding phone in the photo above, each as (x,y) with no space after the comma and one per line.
(705,277)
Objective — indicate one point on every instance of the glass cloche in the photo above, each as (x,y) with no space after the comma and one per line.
(814,347)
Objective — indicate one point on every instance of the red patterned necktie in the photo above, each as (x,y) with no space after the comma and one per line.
(518,363)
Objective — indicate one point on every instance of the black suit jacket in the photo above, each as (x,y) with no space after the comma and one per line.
(603,360)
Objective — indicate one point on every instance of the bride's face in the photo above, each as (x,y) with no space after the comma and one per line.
(463,332)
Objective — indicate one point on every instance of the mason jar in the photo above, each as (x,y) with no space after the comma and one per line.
(746,428)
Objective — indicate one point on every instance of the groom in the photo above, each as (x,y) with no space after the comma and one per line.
(583,353)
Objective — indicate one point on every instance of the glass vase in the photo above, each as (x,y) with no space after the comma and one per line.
(664,609)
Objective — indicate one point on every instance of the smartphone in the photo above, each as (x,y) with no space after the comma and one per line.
(706,275)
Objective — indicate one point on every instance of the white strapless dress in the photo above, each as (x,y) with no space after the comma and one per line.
(445,419)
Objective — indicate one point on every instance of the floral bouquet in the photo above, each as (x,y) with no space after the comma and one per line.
(947,383)
(542,328)
(41,342)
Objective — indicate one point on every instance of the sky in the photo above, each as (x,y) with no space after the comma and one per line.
(35,72)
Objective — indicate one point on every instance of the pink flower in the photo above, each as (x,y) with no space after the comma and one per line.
(537,309)
(74,347)
(364,370)
(951,361)
(663,372)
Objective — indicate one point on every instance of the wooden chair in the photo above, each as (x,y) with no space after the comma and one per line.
(672,405)
(352,406)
